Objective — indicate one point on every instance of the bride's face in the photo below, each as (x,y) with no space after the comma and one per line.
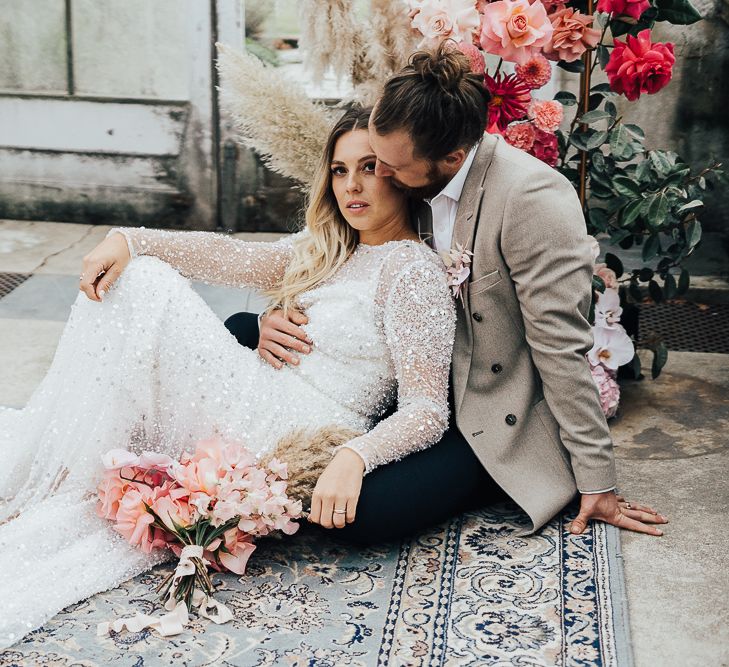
(366,201)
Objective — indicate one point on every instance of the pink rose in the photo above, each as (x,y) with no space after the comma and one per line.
(640,66)
(133,521)
(240,547)
(546,114)
(111,490)
(608,276)
(632,8)
(438,20)
(515,29)
(171,510)
(520,135)
(572,35)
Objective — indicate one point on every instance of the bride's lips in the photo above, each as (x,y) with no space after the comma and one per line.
(357,206)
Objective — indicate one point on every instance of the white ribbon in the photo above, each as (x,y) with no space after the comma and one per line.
(174,621)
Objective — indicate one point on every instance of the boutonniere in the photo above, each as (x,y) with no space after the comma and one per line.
(458,261)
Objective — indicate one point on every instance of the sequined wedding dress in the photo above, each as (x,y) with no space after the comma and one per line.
(152,367)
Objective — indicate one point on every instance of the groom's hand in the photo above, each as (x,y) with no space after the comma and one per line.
(617,511)
(280,335)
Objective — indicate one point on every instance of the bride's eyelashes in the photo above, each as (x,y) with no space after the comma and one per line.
(367,168)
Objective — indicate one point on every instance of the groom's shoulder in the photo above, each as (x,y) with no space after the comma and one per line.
(512,167)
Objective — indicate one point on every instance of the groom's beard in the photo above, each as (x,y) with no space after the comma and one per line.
(436,182)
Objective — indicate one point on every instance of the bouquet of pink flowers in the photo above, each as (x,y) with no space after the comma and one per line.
(208,508)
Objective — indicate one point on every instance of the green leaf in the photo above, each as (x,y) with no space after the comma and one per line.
(657,211)
(626,186)
(678,12)
(565,98)
(576,66)
(654,289)
(621,143)
(596,140)
(636,131)
(635,292)
(618,235)
(593,116)
(613,262)
(634,366)
(692,204)
(683,282)
(603,55)
(669,286)
(611,109)
(630,212)
(603,89)
(662,161)
(598,217)
(660,357)
(651,247)
(645,274)
(693,234)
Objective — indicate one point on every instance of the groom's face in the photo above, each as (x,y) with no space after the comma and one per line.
(419,177)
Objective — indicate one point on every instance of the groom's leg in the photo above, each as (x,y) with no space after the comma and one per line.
(420,490)
(244,326)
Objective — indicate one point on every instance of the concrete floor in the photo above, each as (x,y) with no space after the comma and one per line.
(671,437)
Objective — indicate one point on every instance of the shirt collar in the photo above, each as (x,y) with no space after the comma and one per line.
(454,187)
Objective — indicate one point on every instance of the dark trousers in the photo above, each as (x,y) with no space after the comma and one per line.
(418,491)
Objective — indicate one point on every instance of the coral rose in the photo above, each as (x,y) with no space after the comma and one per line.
(546,114)
(535,72)
(632,8)
(515,29)
(520,135)
(640,66)
(572,35)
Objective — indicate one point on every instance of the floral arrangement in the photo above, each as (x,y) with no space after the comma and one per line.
(207,508)
(630,195)
(458,268)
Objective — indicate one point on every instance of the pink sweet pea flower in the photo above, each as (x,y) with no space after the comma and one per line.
(240,548)
(115,459)
(515,29)
(155,460)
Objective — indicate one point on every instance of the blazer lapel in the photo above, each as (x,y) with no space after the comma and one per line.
(470,201)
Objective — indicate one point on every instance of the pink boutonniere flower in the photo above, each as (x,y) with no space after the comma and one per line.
(458,261)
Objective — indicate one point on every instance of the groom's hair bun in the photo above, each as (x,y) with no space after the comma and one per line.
(437,99)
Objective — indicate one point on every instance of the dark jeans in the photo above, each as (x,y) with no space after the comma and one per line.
(418,491)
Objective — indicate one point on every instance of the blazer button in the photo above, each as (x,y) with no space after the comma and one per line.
(511,420)
(496,368)
(478,317)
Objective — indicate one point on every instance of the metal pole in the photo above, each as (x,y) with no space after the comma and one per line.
(584,108)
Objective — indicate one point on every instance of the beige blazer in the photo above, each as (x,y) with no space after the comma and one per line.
(524,397)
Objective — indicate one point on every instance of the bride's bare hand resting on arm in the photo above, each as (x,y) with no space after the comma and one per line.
(103,265)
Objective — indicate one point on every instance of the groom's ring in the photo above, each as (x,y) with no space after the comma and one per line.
(339,511)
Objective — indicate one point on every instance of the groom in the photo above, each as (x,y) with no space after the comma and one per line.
(528,421)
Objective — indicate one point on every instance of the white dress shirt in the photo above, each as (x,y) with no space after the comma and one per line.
(445,204)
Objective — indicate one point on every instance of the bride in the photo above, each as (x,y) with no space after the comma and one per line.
(143,363)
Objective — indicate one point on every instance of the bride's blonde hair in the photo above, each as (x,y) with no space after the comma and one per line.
(331,240)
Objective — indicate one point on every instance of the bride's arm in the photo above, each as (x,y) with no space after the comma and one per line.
(419,323)
(213,257)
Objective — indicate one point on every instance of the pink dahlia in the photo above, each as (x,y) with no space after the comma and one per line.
(640,66)
(521,135)
(474,56)
(572,35)
(510,99)
(546,147)
(535,72)
(632,8)
(546,114)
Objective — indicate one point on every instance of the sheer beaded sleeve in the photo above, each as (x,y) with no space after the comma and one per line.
(418,319)
(213,257)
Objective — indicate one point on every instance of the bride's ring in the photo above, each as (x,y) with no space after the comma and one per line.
(80,277)
(628,506)
(339,511)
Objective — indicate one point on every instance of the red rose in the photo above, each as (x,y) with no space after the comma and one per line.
(639,65)
(546,147)
(633,8)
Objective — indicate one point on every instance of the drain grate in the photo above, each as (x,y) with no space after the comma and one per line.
(687,327)
(9,281)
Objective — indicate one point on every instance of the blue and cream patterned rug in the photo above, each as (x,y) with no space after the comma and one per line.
(469,592)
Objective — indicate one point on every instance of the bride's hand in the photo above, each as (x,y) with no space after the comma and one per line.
(103,265)
(338,488)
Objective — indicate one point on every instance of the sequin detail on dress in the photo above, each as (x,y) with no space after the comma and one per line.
(152,367)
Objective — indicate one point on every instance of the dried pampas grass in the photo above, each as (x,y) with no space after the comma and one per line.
(273,115)
(330,36)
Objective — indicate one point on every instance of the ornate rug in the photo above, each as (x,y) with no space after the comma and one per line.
(469,592)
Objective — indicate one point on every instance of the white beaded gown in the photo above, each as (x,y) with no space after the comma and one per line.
(152,367)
